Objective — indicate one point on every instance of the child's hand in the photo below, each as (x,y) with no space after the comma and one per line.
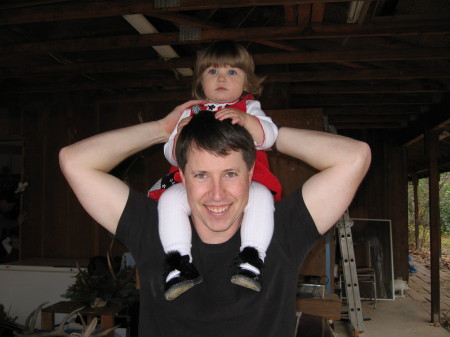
(236,116)
(249,122)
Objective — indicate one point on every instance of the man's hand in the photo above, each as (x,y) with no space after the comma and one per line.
(169,122)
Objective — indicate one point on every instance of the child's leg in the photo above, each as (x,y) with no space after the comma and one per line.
(175,234)
(258,222)
(256,234)
(174,226)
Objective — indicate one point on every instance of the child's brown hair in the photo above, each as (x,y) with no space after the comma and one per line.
(223,53)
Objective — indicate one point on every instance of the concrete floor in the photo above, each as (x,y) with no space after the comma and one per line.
(407,316)
(400,318)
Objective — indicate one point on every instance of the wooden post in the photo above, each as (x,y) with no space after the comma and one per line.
(415,182)
(431,143)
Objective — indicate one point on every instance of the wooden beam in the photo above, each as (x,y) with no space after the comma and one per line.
(98,9)
(304,14)
(327,100)
(373,110)
(415,182)
(368,55)
(260,59)
(357,75)
(432,143)
(169,81)
(401,119)
(148,96)
(366,126)
(318,11)
(290,15)
(242,34)
(363,88)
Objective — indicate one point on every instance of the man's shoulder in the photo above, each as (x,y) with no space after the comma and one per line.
(139,211)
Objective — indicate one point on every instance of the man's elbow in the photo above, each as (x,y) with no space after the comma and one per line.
(65,159)
(364,155)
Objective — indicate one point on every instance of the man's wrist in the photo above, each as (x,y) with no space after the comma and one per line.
(274,146)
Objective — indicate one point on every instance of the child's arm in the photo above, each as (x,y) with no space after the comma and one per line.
(260,126)
(169,147)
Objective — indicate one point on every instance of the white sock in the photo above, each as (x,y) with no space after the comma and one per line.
(174,226)
(257,223)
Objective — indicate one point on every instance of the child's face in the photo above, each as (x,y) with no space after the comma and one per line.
(223,84)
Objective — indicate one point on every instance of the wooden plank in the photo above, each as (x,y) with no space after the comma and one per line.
(98,9)
(329,307)
(305,76)
(419,288)
(432,143)
(290,15)
(304,14)
(318,11)
(260,59)
(213,33)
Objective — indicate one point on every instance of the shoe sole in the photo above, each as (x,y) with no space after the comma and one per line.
(245,282)
(178,289)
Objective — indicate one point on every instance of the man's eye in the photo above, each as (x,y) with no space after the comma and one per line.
(231,174)
(200,175)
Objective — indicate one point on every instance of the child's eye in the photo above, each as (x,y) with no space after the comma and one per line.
(212,71)
(232,72)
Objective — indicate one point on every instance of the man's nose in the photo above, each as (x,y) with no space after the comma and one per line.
(217,190)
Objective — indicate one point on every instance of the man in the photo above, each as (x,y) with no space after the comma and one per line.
(216,176)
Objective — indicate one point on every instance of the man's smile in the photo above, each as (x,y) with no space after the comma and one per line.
(217,209)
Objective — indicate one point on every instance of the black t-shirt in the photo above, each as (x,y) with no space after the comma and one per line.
(216,307)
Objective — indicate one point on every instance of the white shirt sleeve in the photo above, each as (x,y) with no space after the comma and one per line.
(169,151)
(269,128)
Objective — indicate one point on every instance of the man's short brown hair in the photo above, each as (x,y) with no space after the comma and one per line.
(205,132)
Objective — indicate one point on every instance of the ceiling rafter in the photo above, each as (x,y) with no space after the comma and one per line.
(260,59)
(389,70)
(97,9)
(242,34)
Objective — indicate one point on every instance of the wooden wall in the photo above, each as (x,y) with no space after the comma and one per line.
(58,227)
(384,192)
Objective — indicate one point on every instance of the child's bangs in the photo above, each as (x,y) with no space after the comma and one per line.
(225,59)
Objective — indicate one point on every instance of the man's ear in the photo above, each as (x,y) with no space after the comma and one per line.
(182,178)
(250,173)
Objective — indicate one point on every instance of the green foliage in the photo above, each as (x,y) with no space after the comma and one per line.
(118,290)
(424,211)
(4,316)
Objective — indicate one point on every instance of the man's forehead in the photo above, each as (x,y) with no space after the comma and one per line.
(195,153)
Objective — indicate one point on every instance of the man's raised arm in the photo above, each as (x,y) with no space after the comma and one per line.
(342,163)
(86,164)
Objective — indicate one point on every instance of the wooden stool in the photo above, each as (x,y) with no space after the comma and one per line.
(106,314)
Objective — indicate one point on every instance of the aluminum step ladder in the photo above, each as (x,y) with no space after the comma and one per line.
(350,275)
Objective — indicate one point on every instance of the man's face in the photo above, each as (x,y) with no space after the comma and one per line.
(217,190)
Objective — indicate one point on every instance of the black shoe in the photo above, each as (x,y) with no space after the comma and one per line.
(186,275)
(245,277)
